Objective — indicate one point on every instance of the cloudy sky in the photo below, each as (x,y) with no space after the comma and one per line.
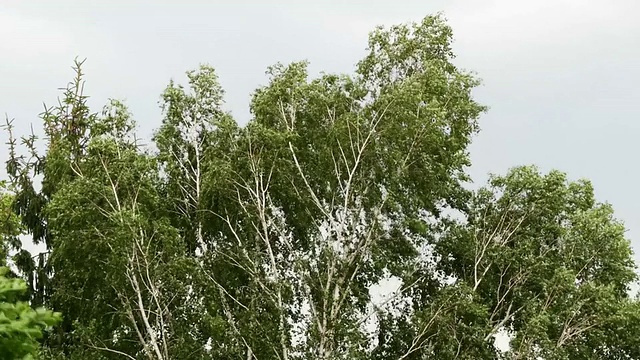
(560,76)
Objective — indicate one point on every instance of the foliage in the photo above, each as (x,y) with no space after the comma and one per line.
(267,241)
(11,228)
(20,325)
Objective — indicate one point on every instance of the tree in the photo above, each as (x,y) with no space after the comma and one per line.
(99,202)
(551,266)
(21,326)
(193,139)
(266,241)
(338,172)
(11,228)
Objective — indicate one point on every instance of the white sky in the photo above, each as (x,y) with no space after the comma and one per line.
(560,76)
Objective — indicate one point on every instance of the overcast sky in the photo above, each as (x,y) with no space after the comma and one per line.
(560,76)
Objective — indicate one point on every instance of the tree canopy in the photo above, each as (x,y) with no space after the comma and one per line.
(338,223)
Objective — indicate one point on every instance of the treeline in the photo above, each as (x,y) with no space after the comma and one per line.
(269,240)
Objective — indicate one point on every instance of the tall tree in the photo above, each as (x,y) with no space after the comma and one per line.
(341,171)
(21,326)
(193,140)
(551,266)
